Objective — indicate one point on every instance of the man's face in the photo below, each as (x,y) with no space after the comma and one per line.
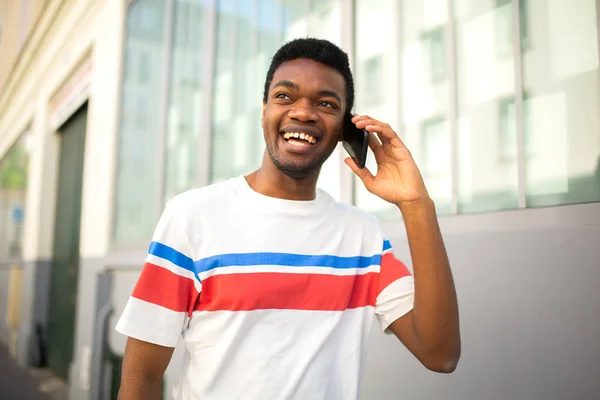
(303,116)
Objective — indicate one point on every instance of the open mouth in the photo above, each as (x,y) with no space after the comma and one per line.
(299,139)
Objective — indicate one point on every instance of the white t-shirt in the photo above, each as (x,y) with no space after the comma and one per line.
(273,299)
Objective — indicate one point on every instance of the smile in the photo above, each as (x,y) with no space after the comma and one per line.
(299,139)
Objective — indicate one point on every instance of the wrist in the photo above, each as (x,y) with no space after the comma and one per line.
(419,206)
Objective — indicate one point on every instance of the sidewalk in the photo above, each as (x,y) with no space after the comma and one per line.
(17,383)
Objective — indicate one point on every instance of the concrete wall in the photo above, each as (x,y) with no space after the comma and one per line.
(528,284)
(17,18)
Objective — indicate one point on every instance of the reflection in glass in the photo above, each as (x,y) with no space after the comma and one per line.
(14,169)
(561,78)
(417,107)
(136,212)
(487,163)
(186,97)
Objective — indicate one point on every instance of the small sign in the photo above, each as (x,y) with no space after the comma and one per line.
(17,214)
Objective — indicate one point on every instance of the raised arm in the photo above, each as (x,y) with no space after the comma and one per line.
(431,330)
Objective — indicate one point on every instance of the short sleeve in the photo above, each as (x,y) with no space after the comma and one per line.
(167,288)
(395,291)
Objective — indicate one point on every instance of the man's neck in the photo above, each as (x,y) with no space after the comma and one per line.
(268,180)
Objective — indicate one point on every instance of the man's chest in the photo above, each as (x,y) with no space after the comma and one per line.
(298,268)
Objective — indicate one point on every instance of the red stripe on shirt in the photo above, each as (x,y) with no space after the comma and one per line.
(259,291)
(392,269)
(162,287)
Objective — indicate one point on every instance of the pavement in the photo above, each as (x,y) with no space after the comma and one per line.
(17,383)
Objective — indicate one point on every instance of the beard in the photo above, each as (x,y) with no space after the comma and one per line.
(297,170)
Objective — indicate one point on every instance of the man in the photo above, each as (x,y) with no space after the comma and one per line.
(271,284)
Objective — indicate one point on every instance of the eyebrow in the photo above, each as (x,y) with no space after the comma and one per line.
(291,85)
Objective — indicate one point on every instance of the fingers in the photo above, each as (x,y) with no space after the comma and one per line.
(374,143)
(383,130)
(363,173)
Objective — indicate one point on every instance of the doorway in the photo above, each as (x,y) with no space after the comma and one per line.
(65,260)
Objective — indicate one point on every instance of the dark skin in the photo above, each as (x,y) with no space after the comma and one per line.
(306,96)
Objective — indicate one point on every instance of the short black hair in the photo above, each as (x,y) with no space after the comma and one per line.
(318,50)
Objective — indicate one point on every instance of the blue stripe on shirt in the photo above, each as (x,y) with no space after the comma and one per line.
(386,245)
(285,259)
(168,253)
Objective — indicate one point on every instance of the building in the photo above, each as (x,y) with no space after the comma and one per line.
(109,107)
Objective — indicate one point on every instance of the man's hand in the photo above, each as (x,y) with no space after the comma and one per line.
(398,179)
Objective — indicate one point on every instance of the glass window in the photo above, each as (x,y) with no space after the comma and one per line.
(14,169)
(413,88)
(248,33)
(561,78)
(487,179)
(237,138)
(435,53)
(136,206)
(186,96)
(436,159)
(504,27)
(144,65)
(508,132)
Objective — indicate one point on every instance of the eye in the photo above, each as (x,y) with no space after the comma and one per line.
(327,104)
(282,96)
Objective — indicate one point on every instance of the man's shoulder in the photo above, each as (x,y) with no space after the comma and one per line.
(207,196)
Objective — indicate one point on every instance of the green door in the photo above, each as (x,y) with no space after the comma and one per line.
(65,263)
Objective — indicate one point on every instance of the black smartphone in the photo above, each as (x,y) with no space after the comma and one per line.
(355,141)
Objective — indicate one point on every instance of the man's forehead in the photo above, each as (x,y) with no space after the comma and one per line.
(301,70)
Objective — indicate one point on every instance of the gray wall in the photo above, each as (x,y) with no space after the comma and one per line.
(35,295)
(4,276)
(529,294)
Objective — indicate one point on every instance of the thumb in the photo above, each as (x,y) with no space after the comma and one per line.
(363,173)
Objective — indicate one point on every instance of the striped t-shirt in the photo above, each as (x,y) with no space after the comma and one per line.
(273,299)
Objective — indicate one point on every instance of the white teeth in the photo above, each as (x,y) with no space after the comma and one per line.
(297,144)
(303,136)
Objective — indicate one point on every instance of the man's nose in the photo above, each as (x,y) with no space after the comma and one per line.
(303,111)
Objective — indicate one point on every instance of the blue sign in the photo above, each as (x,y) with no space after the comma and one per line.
(17,213)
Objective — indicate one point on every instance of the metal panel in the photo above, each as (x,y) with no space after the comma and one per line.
(65,263)
(451,60)
(164,106)
(279,22)
(205,136)
(119,115)
(347,180)
(100,349)
(598,34)
(399,67)
(519,104)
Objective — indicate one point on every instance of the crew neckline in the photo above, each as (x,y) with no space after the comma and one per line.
(259,201)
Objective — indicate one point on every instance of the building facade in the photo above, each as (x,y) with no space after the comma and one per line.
(110,108)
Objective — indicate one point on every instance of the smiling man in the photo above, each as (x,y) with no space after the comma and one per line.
(269,282)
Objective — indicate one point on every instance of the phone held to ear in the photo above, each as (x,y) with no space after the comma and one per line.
(355,141)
